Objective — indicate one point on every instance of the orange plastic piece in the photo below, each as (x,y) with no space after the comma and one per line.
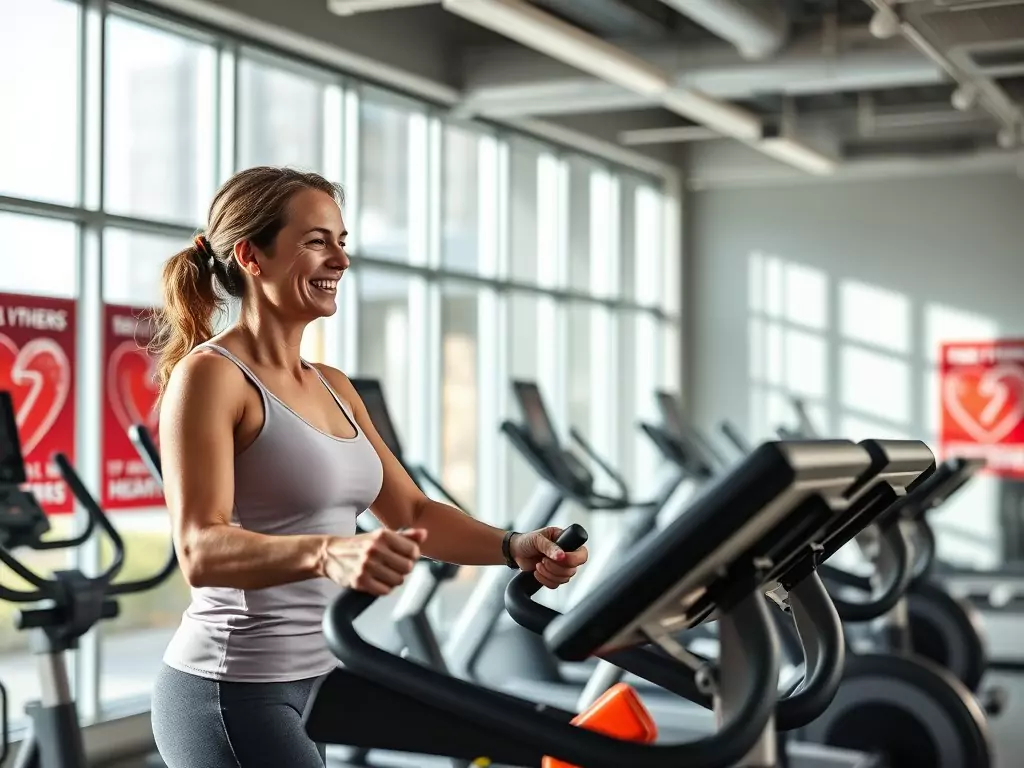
(618,713)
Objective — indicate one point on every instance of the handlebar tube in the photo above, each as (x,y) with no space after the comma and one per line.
(901,572)
(146,448)
(615,477)
(562,740)
(821,637)
(95,512)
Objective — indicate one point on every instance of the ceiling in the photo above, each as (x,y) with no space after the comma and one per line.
(834,81)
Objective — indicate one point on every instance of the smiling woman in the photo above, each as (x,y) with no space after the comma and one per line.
(267,462)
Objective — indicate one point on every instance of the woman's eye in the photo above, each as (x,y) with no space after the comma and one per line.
(318,241)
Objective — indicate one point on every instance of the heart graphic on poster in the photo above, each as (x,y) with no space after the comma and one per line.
(988,403)
(38,376)
(131,387)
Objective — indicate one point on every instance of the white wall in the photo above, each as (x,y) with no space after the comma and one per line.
(841,293)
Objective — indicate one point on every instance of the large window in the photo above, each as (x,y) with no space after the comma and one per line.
(159,123)
(524,182)
(384,339)
(479,256)
(524,364)
(132,265)
(460,395)
(281,116)
(392,153)
(40,111)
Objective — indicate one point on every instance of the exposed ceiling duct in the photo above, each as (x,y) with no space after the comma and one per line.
(510,81)
(948,33)
(352,7)
(757,28)
(612,18)
(529,26)
(713,170)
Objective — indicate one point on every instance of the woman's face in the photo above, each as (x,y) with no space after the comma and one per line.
(301,280)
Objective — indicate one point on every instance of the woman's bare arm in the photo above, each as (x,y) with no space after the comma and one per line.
(199,412)
(453,536)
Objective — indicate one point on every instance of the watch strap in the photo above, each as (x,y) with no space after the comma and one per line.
(506,550)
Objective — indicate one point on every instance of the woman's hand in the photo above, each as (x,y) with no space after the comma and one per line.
(374,562)
(537,552)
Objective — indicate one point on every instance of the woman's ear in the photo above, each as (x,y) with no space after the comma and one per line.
(245,255)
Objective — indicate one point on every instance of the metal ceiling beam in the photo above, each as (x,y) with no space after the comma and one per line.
(510,80)
(758,28)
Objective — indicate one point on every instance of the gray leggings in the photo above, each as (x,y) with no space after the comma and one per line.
(201,723)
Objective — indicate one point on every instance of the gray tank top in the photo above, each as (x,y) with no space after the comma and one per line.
(293,479)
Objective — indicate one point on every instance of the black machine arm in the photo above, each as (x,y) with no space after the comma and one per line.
(51,588)
(614,476)
(821,635)
(899,575)
(672,448)
(733,435)
(557,471)
(514,717)
(645,662)
(818,623)
(146,448)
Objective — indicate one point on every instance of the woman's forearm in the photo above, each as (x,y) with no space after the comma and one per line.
(228,556)
(455,537)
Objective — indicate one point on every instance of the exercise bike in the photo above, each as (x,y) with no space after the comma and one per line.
(66,605)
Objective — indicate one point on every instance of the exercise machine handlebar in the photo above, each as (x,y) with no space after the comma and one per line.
(900,572)
(556,470)
(147,450)
(515,717)
(733,435)
(589,450)
(50,588)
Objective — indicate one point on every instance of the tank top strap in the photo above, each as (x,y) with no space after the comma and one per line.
(335,395)
(234,359)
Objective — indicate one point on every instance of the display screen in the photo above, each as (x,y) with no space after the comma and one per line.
(372,395)
(542,432)
(12,464)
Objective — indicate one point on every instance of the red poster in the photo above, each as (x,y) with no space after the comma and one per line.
(982,400)
(37,365)
(129,397)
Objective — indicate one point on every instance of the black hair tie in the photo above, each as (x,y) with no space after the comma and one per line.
(204,253)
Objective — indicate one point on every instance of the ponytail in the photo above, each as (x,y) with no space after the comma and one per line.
(186,319)
(252,205)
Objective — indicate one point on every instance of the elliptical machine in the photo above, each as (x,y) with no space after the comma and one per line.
(75,602)
(760,521)
(930,622)
(893,702)
(525,666)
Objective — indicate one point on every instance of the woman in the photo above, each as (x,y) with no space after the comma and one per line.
(267,462)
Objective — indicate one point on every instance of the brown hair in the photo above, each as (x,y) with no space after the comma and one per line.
(252,205)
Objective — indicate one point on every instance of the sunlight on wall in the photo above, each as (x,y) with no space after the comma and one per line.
(864,368)
(874,316)
(875,385)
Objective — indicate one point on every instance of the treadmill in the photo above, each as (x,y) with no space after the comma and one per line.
(522,665)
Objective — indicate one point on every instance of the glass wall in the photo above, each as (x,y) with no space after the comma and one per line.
(479,257)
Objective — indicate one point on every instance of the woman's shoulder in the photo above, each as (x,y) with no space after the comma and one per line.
(334,376)
(208,373)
